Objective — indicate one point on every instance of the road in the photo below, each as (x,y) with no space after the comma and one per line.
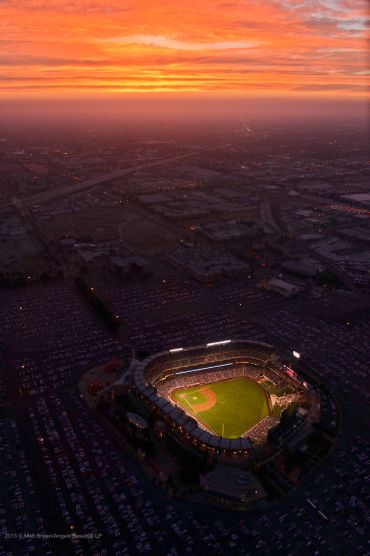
(33,227)
(86,184)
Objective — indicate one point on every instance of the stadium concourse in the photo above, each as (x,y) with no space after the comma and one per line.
(252,370)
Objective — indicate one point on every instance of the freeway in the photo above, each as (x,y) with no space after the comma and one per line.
(91,182)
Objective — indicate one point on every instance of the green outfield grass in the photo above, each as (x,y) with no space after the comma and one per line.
(236,405)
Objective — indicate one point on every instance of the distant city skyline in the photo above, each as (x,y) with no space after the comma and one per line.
(300,49)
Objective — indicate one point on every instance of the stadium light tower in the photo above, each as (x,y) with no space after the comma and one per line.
(222,343)
(176,350)
(296,355)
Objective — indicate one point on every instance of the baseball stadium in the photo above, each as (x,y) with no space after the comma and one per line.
(222,396)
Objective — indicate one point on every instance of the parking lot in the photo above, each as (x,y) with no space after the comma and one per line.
(62,472)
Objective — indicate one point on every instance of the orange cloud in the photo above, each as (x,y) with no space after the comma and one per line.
(288,47)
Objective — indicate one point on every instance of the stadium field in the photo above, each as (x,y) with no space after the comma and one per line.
(227,408)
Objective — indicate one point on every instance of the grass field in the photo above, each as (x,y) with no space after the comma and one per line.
(228,407)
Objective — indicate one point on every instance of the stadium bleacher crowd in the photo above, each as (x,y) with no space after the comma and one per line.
(258,433)
(166,386)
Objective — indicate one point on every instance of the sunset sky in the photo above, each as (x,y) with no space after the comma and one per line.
(283,48)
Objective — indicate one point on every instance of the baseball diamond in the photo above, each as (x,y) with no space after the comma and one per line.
(228,408)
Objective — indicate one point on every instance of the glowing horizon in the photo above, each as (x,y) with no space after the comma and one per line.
(104,47)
